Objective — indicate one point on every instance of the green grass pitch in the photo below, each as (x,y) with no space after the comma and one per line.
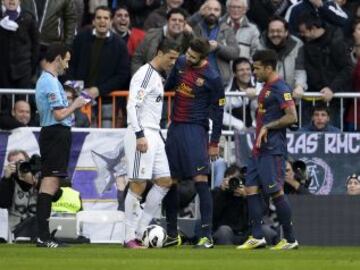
(101,257)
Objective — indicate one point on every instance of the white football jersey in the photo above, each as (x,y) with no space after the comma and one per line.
(145,100)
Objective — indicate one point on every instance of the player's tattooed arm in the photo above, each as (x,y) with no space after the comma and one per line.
(289,118)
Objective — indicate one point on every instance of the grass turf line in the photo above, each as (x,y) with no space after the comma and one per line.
(105,257)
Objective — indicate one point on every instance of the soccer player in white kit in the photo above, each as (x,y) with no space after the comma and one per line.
(144,147)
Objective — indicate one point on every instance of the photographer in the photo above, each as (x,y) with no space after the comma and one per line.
(230,219)
(18,187)
(296,178)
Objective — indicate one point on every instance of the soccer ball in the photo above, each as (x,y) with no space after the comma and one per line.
(154,236)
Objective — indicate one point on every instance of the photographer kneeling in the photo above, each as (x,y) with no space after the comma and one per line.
(18,188)
(230,219)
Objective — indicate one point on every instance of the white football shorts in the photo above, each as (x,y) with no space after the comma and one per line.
(150,165)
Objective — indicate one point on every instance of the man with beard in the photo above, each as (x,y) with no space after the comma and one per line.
(223,44)
(55,135)
(266,167)
(199,95)
(290,53)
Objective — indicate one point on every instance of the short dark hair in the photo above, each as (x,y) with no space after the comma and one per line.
(280,19)
(238,61)
(55,50)
(233,169)
(266,57)
(200,45)
(103,8)
(309,20)
(167,45)
(176,11)
(321,107)
(68,88)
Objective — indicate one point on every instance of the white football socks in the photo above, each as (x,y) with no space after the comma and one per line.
(132,214)
(152,207)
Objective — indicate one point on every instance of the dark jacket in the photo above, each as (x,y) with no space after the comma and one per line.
(156,19)
(114,68)
(327,62)
(327,13)
(311,128)
(262,10)
(19,50)
(57,23)
(229,210)
(140,10)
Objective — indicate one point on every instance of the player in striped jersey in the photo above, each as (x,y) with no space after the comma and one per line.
(144,147)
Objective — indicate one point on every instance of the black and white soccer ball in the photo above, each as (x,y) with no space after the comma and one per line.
(154,236)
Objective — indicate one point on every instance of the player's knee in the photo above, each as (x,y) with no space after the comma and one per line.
(137,187)
(251,190)
(200,178)
(164,182)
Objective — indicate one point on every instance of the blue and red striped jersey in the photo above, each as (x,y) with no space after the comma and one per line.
(273,99)
(199,96)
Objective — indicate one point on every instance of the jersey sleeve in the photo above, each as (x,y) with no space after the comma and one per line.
(140,87)
(285,99)
(217,109)
(53,95)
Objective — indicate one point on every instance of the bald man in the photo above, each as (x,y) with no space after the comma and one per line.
(20,116)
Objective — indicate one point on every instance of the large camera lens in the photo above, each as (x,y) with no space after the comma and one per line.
(234,183)
(24,167)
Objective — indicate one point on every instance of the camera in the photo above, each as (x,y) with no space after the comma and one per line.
(235,182)
(32,165)
(300,173)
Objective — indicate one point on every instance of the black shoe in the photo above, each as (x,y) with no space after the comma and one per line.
(173,241)
(50,243)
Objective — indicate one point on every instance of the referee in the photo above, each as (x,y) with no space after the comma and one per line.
(55,136)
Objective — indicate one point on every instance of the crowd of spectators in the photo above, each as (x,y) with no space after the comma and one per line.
(317,43)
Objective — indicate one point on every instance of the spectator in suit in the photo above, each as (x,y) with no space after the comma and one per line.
(100,58)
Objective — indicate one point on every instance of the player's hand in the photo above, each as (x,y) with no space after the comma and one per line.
(327,94)
(142,145)
(9,169)
(224,184)
(213,152)
(298,92)
(262,136)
